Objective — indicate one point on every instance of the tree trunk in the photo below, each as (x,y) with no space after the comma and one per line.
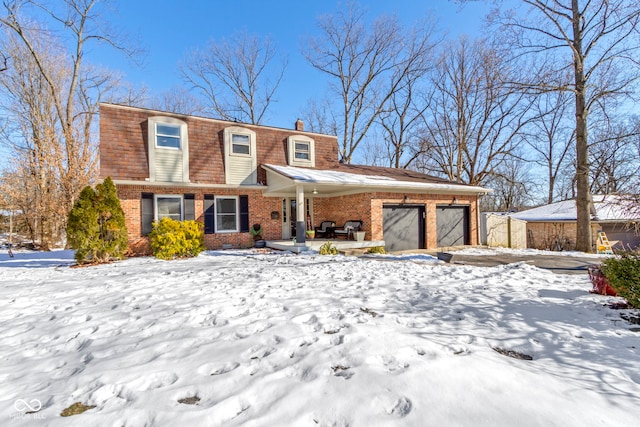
(583,198)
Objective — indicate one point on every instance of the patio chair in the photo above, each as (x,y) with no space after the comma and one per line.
(348,229)
(326,229)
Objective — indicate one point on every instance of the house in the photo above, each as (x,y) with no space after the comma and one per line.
(553,226)
(229,175)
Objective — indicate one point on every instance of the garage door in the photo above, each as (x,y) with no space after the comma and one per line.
(626,236)
(452,225)
(403,227)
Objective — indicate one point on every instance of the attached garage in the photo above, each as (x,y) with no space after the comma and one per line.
(452,225)
(403,227)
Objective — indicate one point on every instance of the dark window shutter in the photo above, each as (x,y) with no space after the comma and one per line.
(189,207)
(244,214)
(209,214)
(146,213)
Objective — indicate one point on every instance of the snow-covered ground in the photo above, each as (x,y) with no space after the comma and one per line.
(309,340)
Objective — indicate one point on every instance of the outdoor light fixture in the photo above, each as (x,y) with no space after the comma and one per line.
(406,198)
(315,191)
(455,200)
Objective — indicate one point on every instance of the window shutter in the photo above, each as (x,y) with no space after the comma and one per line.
(244,214)
(209,214)
(146,213)
(189,207)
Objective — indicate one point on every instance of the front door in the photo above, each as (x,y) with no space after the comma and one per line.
(289,215)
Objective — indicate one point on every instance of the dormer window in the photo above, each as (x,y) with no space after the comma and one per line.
(168,136)
(168,146)
(240,162)
(301,151)
(240,144)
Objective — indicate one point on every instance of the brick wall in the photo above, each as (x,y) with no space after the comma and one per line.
(555,235)
(260,209)
(368,208)
(124,150)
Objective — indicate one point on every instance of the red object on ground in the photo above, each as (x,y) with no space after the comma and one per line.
(600,283)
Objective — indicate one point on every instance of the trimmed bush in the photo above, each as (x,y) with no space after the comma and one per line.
(623,274)
(96,226)
(177,239)
(328,249)
(376,250)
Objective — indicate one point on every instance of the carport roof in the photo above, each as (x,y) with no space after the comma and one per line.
(358,178)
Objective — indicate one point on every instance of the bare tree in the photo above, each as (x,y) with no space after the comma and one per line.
(615,159)
(367,64)
(512,187)
(52,98)
(475,118)
(597,42)
(551,137)
(401,122)
(319,117)
(177,100)
(237,76)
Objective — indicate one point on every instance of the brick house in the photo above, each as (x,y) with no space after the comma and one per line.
(229,175)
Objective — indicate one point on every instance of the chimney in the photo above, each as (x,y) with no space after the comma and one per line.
(299,125)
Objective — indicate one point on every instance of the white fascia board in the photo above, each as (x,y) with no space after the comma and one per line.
(187,184)
(362,182)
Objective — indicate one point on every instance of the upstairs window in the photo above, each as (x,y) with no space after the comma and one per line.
(301,150)
(240,160)
(168,149)
(168,136)
(240,144)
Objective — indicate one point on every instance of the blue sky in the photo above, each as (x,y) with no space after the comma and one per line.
(168,29)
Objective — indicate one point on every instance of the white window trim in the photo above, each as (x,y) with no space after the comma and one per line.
(228,151)
(215,213)
(167,196)
(156,133)
(152,123)
(231,153)
(291,146)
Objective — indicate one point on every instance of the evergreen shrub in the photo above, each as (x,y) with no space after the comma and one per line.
(623,274)
(176,239)
(96,227)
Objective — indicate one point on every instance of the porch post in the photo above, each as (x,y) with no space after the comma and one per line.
(301,209)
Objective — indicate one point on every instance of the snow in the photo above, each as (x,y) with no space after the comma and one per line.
(607,208)
(317,176)
(309,340)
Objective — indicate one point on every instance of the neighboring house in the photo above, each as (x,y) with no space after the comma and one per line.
(230,175)
(554,226)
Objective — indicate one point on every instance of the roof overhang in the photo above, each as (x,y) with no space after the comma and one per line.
(283,181)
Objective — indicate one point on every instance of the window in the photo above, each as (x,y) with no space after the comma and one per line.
(226,214)
(240,144)
(189,207)
(240,162)
(168,149)
(167,136)
(302,150)
(169,206)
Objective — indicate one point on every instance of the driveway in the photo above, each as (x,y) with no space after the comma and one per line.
(560,264)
